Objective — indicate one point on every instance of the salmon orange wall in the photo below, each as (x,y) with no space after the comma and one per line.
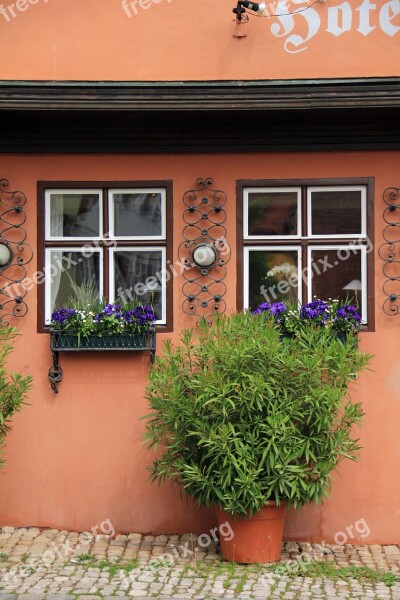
(192,40)
(76,459)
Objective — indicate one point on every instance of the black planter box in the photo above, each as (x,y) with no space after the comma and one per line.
(117,342)
(63,341)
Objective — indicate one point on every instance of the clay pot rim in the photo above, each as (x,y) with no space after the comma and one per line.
(258,514)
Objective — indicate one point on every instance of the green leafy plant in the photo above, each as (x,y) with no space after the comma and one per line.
(86,314)
(331,571)
(13,386)
(244,417)
(82,558)
(85,295)
(25,556)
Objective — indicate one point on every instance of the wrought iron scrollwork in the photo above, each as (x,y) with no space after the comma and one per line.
(13,288)
(204,217)
(390,251)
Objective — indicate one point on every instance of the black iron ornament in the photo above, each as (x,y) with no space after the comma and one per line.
(389,251)
(15,253)
(205,251)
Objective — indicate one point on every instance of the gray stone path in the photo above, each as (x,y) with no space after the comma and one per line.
(60,565)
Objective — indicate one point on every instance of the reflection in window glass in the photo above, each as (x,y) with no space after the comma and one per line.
(75,266)
(342,279)
(269,270)
(137,214)
(135,277)
(272,213)
(336,212)
(75,215)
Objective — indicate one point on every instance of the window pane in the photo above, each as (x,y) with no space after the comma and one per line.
(135,277)
(137,214)
(76,266)
(336,212)
(272,213)
(273,272)
(74,215)
(337,274)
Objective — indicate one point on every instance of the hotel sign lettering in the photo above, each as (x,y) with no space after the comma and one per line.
(302,24)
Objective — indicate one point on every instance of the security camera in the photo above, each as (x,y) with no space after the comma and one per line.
(257,7)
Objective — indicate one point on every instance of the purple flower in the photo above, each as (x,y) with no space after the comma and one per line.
(277,308)
(316,310)
(264,306)
(274,309)
(351,309)
(112,319)
(348,313)
(63,314)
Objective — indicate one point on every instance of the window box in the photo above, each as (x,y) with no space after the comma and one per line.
(71,342)
(63,341)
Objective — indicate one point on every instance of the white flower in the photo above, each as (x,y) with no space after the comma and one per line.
(285,269)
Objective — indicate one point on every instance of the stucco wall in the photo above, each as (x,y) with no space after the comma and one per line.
(192,40)
(76,459)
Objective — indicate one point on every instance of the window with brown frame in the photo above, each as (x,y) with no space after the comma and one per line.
(303,239)
(115,235)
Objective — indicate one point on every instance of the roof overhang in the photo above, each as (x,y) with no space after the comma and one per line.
(200,96)
(206,116)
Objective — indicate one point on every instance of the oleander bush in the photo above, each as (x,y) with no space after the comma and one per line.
(14,386)
(243,416)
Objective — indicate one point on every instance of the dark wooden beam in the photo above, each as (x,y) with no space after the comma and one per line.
(200,96)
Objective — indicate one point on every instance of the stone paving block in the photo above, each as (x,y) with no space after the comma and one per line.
(182,580)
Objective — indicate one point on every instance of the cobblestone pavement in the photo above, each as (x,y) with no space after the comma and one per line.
(60,565)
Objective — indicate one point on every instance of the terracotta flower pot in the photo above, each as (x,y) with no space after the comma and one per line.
(256,539)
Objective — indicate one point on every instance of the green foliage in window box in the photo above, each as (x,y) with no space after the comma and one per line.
(13,386)
(86,316)
(244,417)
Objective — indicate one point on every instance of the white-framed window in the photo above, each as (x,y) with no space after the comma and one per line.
(139,271)
(137,214)
(337,211)
(118,237)
(281,263)
(263,210)
(304,240)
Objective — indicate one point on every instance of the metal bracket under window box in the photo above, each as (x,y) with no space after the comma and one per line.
(70,342)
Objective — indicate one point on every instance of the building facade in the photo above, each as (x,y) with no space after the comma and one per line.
(112,115)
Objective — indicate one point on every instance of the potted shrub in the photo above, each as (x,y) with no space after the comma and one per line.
(250,423)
